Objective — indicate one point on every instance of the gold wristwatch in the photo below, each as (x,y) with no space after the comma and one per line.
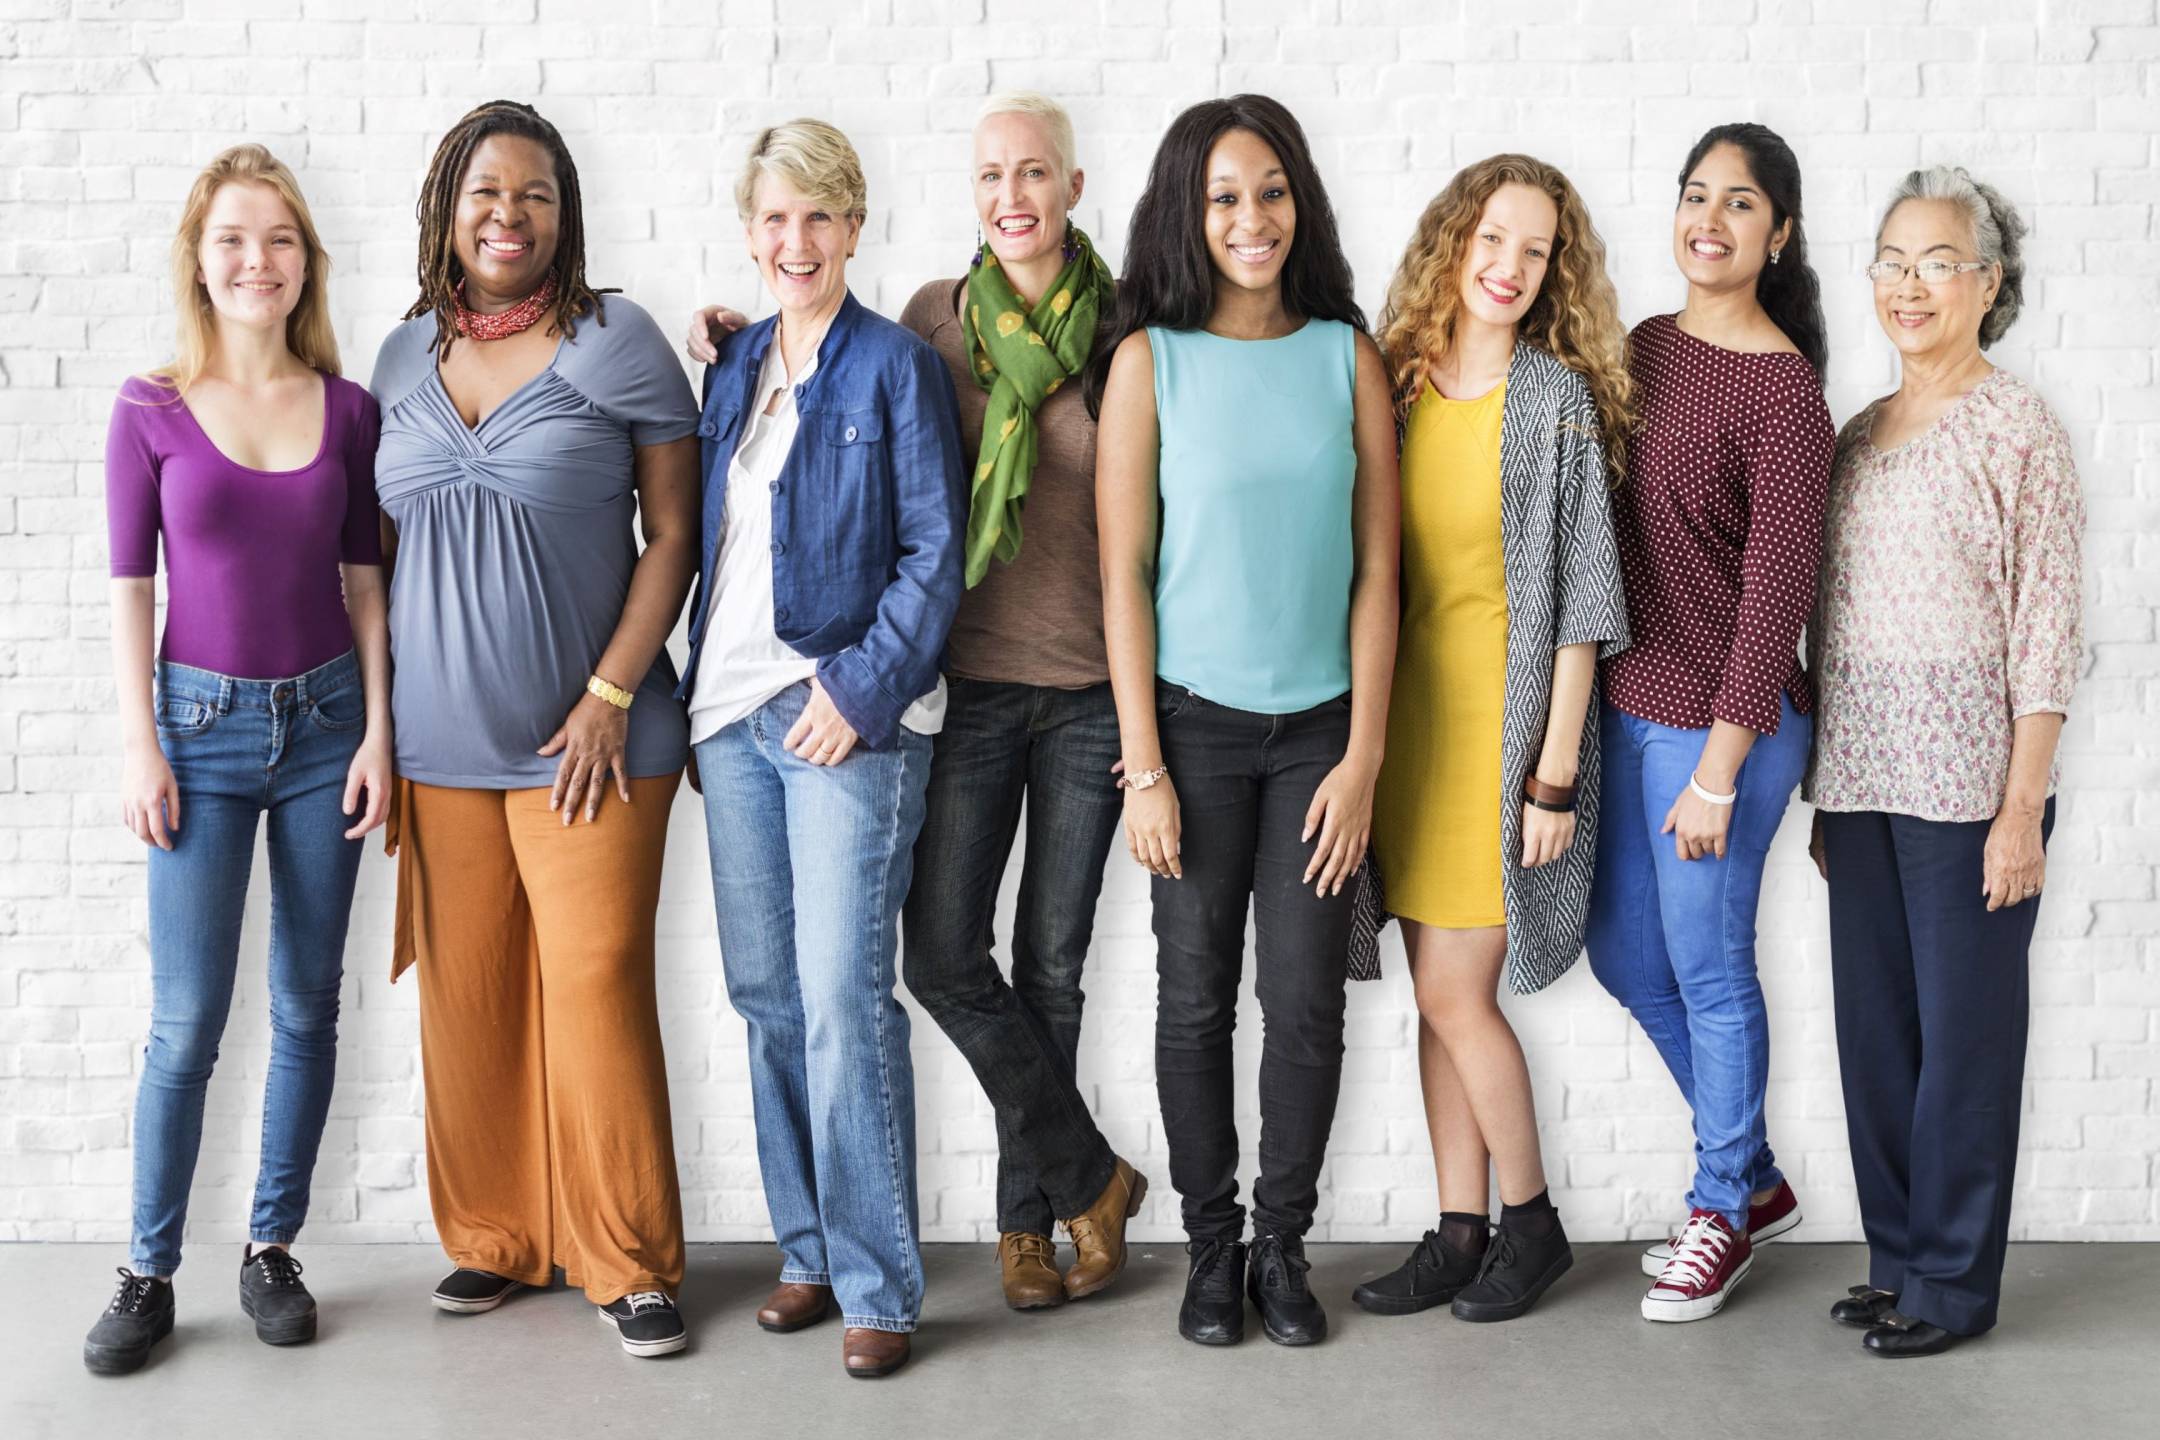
(614,694)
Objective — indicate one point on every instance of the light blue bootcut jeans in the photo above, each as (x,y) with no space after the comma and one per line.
(810,864)
(240,750)
(1674,940)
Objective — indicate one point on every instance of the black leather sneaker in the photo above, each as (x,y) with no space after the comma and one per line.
(1433,1275)
(274,1298)
(1276,1283)
(1214,1308)
(648,1322)
(468,1292)
(1517,1269)
(140,1315)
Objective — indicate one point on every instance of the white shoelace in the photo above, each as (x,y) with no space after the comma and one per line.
(643,1300)
(1696,1255)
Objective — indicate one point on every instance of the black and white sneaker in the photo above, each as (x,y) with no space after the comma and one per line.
(140,1315)
(469,1292)
(648,1322)
(274,1298)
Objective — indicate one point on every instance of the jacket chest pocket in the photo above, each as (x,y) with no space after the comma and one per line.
(856,492)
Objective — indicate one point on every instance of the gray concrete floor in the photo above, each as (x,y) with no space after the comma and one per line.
(2078,1356)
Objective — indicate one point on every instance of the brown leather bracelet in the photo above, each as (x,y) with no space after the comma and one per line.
(1557,798)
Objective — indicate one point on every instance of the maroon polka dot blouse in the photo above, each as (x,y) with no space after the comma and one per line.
(1720,524)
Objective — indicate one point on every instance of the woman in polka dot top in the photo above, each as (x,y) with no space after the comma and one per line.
(1708,716)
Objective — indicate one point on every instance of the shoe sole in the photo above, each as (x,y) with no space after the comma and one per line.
(643,1349)
(1478,1313)
(1214,1341)
(293,1332)
(119,1360)
(791,1326)
(1294,1343)
(454,1305)
(1681,1311)
(1050,1303)
(1373,1303)
(1132,1208)
(1776,1229)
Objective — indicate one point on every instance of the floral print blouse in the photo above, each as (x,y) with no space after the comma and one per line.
(1949,604)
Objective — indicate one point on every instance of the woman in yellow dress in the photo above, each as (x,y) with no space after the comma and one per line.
(1505,337)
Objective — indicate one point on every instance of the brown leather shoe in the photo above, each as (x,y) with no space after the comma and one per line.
(868,1354)
(1027,1264)
(792,1307)
(1098,1233)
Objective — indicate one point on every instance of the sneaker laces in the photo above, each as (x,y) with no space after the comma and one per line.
(1499,1253)
(133,1296)
(1283,1265)
(641,1301)
(277,1267)
(1211,1268)
(1697,1254)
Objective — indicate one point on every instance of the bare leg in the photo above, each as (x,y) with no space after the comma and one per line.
(1477,1086)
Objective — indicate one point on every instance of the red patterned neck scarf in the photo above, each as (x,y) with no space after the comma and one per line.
(520,317)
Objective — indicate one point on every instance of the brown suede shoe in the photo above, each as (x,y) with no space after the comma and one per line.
(868,1354)
(792,1307)
(1027,1263)
(1098,1233)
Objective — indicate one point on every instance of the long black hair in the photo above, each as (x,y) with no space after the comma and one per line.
(1788,291)
(1169,277)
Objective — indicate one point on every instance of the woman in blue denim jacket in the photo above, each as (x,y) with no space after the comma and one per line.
(835,506)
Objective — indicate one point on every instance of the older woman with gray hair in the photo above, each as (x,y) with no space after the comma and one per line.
(834,510)
(1946,644)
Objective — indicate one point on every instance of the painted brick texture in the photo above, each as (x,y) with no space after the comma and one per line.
(107,107)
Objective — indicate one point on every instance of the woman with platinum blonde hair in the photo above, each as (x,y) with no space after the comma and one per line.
(831,563)
(1029,722)
(1946,642)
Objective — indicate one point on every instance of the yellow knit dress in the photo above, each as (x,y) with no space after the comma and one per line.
(1436,815)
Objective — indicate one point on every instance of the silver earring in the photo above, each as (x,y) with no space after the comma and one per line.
(1774,256)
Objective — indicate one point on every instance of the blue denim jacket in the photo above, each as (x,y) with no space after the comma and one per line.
(868,516)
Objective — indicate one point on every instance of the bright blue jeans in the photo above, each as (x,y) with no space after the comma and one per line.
(1674,940)
(810,864)
(240,750)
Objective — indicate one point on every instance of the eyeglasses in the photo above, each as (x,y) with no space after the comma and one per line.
(1931,272)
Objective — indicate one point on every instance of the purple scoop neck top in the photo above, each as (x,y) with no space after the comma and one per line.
(251,556)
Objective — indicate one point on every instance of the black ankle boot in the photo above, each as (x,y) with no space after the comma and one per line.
(1276,1283)
(1433,1275)
(1518,1267)
(1214,1308)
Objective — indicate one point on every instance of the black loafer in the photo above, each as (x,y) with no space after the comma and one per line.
(1900,1337)
(1864,1307)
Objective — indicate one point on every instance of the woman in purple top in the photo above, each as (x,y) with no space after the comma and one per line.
(1707,716)
(254,464)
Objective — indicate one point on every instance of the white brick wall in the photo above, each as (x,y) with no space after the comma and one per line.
(108,106)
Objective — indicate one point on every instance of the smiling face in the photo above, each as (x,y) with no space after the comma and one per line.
(801,246)
(509,213)
(1022,189)
(1924,319)
(252,260)
(1251,219)
(1504,263)
(1723,232)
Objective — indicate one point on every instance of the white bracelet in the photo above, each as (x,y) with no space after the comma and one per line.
(1706,797)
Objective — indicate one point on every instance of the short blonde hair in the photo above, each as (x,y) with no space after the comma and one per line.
(812,156)
(1053,116)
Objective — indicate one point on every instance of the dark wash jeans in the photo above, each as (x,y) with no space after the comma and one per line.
(1243,784)
(1055,749)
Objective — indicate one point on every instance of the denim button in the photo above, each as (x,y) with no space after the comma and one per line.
(778,548)
(773,485)
(780,613)
(798,392)
(850,433)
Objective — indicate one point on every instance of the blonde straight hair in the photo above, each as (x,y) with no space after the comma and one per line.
(308,333)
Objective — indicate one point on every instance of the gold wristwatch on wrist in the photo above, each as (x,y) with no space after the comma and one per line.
(614,694)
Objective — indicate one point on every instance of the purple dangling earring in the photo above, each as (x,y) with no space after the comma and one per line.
(976,263)
(1072,246)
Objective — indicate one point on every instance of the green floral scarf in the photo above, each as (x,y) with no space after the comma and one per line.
(1021,357)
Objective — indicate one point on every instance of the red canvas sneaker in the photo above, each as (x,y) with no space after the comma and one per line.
(1778,1215)
(1709,1262)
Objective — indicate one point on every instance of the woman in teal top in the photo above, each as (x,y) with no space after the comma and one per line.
(1246,499)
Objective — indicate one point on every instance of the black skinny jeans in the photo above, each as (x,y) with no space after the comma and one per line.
(1244,782)
(1055,749)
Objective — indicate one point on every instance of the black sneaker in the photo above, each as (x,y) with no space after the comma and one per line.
(1433,1275)
(140,1315)
(1276,1283)
(274,1298)
(648,1322)
(1517,1269)
(1214,1308)
(468,1292)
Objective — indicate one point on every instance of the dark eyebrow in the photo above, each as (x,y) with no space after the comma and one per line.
(477,176)
(1274,172)
(1730,189)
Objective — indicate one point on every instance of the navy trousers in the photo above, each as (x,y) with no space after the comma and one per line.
(1932,1002)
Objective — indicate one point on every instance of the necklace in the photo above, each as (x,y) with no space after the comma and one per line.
(520,317)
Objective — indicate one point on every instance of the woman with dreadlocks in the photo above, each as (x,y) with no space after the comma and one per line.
(527,419)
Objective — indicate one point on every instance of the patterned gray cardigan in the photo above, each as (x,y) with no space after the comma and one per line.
(1563,588)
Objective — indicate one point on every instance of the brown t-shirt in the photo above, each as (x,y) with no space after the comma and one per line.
(1038,620)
